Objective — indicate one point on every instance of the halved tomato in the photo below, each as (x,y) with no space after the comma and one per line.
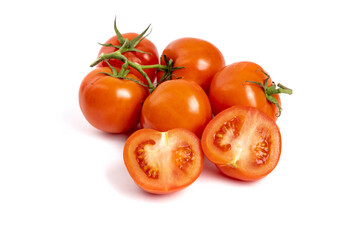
(243,142)
(163,162)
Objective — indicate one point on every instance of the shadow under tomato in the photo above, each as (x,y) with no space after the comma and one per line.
(118,176)
(120,179)
(212,173)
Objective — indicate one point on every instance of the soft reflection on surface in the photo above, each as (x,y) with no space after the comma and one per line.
(202,64)
(123,93)
(193,105)
(250,96)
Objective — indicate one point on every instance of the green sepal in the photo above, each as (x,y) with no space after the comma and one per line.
(122,74)
(136,81)
(137,50)
(125,46)
(169,69)
(109,45)
(135,41)
(118,34)
(128,45)
(112,68)
(270,91)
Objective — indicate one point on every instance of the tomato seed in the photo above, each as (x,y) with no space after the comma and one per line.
(184,156)
(230,129)
(140,158)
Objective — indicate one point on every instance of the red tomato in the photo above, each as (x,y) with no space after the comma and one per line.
(111,104)
(243,142)
(200,58)
(229,88)
(163,162)
(149,58)
(177,104)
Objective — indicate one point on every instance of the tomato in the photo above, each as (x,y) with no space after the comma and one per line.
(200,59)
(177,104)
(243,142)
(229,87)
(111,104)
(163,162)
(149,58)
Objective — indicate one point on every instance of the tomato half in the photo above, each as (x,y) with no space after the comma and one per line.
(229,87)
(163,162)
(149,58)
(200,59)
(177,104)
(111,104)
(243,142)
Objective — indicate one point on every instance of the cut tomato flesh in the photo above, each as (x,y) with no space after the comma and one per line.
(243,138)
(184,155)
(243,141)
(166,154)
(227,133)
(149,168)
(160,162)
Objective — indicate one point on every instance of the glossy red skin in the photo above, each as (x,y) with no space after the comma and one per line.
(180,178)
(200,58)
(228,88)
(139,58)
(111,104)
(177,104)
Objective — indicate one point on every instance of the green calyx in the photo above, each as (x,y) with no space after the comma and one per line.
(271,90)
(122,74)
(127,63)
(168,69)
(125,44)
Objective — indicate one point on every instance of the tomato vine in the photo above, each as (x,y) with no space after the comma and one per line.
(127,45)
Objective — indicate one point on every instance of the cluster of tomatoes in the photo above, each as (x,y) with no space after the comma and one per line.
(188,103)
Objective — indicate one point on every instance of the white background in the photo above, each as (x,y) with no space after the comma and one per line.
(62,179)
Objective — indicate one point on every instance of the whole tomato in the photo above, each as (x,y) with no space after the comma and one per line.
(200,59)
(150,57)
(111,104)
(245,84)
(177,104)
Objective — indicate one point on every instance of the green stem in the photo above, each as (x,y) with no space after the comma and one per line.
(103,57)
(141,71)
(157,66)
(284,89)
(119,56)
(281,89)
(270,91)
(127,45)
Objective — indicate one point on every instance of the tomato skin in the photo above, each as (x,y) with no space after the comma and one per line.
(228,88)
(111,104)
(200,58)
(177,104)
(243,142)
(171,171)
(139,58)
